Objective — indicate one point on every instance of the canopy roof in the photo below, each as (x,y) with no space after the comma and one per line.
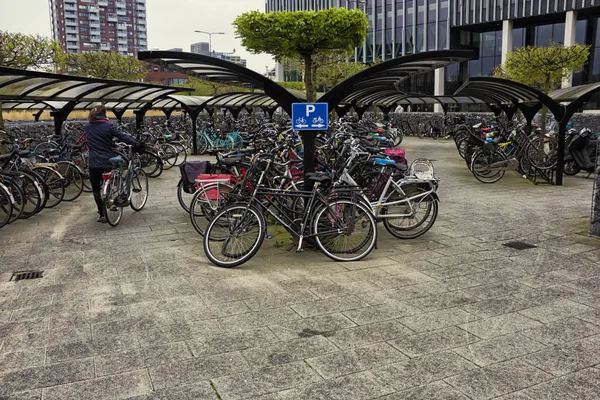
(24,85)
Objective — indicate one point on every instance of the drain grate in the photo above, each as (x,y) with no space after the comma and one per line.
(19,276)
(519,245)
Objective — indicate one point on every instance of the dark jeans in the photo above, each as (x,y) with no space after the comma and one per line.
(96,181)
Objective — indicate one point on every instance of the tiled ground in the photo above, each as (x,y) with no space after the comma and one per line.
(137,312)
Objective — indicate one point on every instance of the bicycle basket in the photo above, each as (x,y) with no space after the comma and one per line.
(422,168)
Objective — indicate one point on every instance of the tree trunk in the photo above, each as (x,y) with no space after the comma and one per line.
(3,149)
(311,94)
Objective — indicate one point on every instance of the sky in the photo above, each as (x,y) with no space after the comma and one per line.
(171,23)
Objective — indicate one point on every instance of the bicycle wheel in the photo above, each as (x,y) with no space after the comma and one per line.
(543,153)
(206,203)
(73,180)
(421,215)
(201,145)
(183,154)
(139,190)
(18,198)
(81,161)
(55,184)
(43,149)
(234,236)
(345,230)
(169,155)
(480,166)
(184,198)
(398,138)
(112,212)
(151,163)
(6,206)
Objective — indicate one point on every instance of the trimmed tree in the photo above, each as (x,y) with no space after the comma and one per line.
(26,51)
(544,68)
(105,65)
(303,36)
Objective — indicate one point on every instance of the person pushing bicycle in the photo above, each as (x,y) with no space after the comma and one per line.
(100,133)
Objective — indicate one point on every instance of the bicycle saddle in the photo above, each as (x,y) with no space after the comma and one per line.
(477,126)
(317,176)
(383,161)
(231,160)
(116,160)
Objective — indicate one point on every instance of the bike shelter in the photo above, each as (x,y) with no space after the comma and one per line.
(382,76)
(62,93)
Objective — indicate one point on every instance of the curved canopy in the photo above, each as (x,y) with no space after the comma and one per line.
(387,75)
(21,85)
(221,71)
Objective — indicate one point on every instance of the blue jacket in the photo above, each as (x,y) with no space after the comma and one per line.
(100,134)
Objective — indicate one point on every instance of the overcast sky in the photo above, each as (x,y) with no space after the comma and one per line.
(171,23)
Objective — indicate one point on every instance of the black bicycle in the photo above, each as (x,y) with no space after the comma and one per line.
(342,225)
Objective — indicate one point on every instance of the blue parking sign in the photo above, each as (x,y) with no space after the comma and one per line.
(310,116)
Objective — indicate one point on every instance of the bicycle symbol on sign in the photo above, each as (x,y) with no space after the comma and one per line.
(318,120)
(301,123)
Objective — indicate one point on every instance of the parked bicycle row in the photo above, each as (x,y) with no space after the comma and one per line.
(358,182)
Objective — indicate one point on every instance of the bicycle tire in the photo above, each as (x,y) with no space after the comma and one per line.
(54,182)
(219,238)
(543,157)
(324,218)
(18,199)
(417,227)
(480,165)
(151,163)
(6,206)
(184,198)
(73,180)
(113,213)
(201,145)
(203,208)
(139,190)
(170,155)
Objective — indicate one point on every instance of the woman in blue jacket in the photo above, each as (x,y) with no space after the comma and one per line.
(100,132)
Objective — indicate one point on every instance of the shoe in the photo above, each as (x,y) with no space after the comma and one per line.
(102,219)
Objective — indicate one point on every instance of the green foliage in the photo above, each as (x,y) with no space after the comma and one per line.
(337,71)
(28,51)
(207,88)
(105,65)
(302,35)
(292,85)
(545,67)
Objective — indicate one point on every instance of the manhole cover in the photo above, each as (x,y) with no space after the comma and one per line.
(18,276)
(519,245)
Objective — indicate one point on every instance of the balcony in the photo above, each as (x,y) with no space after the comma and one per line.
(122,26)
(103,3)
(105,47)
(94,25)
(121,11)
(113,17)
(95,39)
(71,29)
(70,6)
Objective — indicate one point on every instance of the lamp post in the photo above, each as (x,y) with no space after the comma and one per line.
(210,39)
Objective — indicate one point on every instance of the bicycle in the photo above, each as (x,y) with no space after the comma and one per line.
(342,226)
(123,187)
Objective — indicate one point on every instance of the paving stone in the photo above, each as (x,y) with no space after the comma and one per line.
(439,390)
(382,312)
(562,331)
(21,359)
(498,349)
(23,327)
(423,370)
(498,379)
(581,385)
(29,395)
(39,377)
(500,325)
(437,319)
(288,351)
(320,325)
(262,381)
(259,319)
(365,334)
(442,300)
(198,391)
(568,357)
(231,341)
(498,306)
(328,306)
(555,311)
(363,385)
(451,272)
(354,360)
(497,290)
(130,360)
(120,386)
(418,345)
(192,370)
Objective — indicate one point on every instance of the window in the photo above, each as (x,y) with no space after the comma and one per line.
(84,14)
(84,22)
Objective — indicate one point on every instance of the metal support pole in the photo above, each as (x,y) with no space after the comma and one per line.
(308,142)
(562,129)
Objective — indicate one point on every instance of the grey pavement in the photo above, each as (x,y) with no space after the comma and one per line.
(137,312)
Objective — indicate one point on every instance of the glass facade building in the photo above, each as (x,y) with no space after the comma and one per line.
(491,27)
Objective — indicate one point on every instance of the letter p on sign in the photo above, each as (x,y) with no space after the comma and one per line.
(310,109)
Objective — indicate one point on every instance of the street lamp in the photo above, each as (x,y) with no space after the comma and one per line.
(210,39)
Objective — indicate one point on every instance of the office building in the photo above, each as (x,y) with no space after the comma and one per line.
(491,27)
(200,48)
(100,25)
